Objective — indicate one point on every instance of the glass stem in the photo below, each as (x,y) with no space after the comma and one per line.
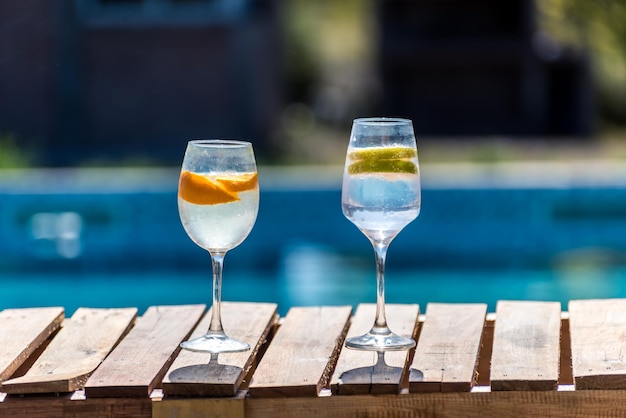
(217,260)
(380,325)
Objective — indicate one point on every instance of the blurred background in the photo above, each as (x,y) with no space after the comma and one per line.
(112,82)
(519,108)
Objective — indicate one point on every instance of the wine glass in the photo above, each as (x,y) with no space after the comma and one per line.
(381,194)
(218,202)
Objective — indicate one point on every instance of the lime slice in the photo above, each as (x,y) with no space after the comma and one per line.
(383,160)
(382,166)
(383,153)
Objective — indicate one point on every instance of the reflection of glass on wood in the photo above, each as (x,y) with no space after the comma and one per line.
(198,373)
(380,375)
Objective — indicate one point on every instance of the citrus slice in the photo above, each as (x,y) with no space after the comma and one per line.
(382,166)
(383,153)
(197,189)
(238,183)
(383,160)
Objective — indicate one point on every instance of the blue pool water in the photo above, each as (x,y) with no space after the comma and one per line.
(339,287)
(113,238)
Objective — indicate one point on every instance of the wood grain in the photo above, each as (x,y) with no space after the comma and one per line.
(79,347)
(22,331)
(196,374)
(526,346)
(137,365)
(598,343)
(447,351)
(64,406)
(597,330)
(361,372)
(300,359)
(231,407)
(553,404)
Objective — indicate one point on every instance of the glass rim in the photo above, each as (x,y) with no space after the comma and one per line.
(382,121)
(234,143)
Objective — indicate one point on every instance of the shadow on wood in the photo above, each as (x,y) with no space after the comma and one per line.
(381,377)
(198,379)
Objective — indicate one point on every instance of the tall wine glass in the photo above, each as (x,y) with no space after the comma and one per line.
(381,194)
(218,202)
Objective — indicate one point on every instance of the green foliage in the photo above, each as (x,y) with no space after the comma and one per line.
(320,37)
(11,155)
(597,27)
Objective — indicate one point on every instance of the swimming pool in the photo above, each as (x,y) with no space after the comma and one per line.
(540,231)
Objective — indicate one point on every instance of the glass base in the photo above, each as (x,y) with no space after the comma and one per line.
(215,343)
(380,342)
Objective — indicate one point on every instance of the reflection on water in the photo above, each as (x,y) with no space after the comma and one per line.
(590,273)
(113,238)
(57,234)
(317,275)
(314,275)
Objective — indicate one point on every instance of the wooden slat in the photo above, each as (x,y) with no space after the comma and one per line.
(525,352)
(598,335)
(446,353)
(75,352)
(231,407)
(301,356)
(361,372)
(196,374)
(138,363)
(65,406)
(21,332)
(551,404)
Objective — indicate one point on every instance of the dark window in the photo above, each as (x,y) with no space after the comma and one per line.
(145,13)
(121,1)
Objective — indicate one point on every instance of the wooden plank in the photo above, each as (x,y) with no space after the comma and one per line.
(446,353)
(598,343)
(197,374)
(361,372)
(22,331)
(525,352)
(553,404)
(301,356)
(231,407)
(138,363)
(80,346)
(65,406)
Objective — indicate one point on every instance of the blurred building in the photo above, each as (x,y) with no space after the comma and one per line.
(127,79)
(480,67)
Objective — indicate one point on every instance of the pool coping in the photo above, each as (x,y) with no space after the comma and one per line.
(444,175)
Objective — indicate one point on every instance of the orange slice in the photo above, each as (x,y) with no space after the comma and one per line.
(239,183)
(199,190)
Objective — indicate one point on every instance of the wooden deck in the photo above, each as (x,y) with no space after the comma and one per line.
(525,359)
